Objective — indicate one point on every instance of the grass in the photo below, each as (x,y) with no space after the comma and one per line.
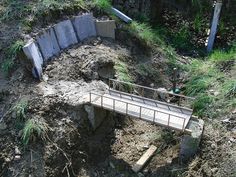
(34,129)
(221,56)
(20,109)
(215,90)
(103,4)
(11,54)
(122,72)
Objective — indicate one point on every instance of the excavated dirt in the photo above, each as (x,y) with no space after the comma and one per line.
(71,146)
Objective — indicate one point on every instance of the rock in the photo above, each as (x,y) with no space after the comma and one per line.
(17,151)
(112,165)
(140,174)
(3,126)
(214,170)
(17,157)
(7,160)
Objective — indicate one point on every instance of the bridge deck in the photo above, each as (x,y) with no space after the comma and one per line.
(157,112)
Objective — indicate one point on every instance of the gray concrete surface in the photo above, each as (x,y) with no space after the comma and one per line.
(106,28)
(65,34)
(48,44)
(95,115)
(84,26)
(32,52)
(190,143)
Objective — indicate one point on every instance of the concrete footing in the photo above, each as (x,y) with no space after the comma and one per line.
(95,115)
(190,143)
(106,28)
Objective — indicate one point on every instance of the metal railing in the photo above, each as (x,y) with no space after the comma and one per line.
(140,113)
(146,100)
(116,84)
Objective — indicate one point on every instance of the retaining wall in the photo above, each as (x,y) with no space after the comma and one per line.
(61,36)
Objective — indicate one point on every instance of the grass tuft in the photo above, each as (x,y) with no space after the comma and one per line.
(33,129)
(103,4)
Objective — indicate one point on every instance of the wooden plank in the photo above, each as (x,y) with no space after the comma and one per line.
(214,25)
(143,160)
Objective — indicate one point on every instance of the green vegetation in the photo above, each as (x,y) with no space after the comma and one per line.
(220,56)
(20,109)
(122,72)
(11,54)
(103,4)
(198,22)
(214,90)
(33,129)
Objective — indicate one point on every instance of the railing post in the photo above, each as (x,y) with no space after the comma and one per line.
(140,113)
(114,106)
(154,117)
(183,125)
(126,108)
(90,99)
(169,121)
(102,101)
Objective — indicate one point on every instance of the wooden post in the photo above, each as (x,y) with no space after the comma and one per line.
(114,105)
(214,24)
(126,108)
(102,101)
(90,99)
(140,114)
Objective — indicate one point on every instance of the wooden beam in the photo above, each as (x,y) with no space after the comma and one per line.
(143,160)
(214,25)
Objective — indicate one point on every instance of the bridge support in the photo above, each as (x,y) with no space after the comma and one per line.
(95,115)
(190,143)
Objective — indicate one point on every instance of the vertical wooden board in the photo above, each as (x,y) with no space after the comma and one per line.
(214,25)
(143,160)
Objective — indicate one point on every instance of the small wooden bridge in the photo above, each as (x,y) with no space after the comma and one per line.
(159,112)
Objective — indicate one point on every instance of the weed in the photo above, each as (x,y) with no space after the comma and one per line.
(11,54)
(202,103)
(220,56)
(197,23)
(103,4)
(33,129)
(20,109)
(122,71)
(181,39)
(229,89)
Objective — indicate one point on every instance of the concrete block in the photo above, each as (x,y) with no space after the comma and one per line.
(95,115)
(106,28)
(84,26)
(65,34)
(32,52)
(190,143)
(48,44)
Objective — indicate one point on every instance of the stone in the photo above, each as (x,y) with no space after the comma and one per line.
(3,126)
(65,34)
(48,44)
(17,151)
(84,26)
(95,115)
(32,52)
(106,28)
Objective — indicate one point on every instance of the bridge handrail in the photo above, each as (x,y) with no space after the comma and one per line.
(151,100)
(154,111)
(148,88)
